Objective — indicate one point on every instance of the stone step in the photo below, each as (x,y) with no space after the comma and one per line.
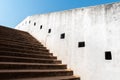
(5,48)
(19,42)
(28,60)
(30,37)
(9,52)
(13,37)
(18,54)
(15,74)
(52,78)
(33,66)
(22,47)
(11,34)
(17,34)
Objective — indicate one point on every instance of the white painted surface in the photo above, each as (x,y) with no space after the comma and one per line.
(98,26)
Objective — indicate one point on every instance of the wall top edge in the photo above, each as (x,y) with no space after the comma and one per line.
(107,4)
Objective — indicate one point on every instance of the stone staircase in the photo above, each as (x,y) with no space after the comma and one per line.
(23,58)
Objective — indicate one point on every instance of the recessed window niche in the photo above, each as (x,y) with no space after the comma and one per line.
(34,23)
(41,26)
(81,44)
(62,36)
(108,55)
(49,30)
(29,22)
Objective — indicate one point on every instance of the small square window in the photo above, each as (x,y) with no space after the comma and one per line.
(49,30)
(29,22)
(62,36)
(34,23)
(108,55)
(81,44)
(40,26)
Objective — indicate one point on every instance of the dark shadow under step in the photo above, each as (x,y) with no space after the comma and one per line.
(18,66)
(29,60)
(28,55)
(14,74)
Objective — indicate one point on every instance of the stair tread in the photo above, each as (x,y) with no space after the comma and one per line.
(52,78)
(18,44)
(15,48)
(9,39)
(40,53)
(21,43)
(27,53)
(16,63)
(23,65)
(23,50)
(49,70)
(28,58)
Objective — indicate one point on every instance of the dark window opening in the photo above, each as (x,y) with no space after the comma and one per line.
(62,36)
(34,23)
(29,22)
(49,31)
(41,27)
(108,55)
(81,44)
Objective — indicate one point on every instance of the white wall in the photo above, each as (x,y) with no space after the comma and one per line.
(98,26)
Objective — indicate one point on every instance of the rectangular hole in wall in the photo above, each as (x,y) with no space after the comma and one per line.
(49,30)
(81,44)
(29,22)
(34,23)
(62,36)
(108,55)
(40,26)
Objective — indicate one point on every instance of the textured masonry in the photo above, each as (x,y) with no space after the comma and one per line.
(80,38)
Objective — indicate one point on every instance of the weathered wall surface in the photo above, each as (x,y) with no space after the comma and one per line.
(98,27)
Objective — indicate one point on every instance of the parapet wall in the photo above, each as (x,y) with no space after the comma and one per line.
(86,39)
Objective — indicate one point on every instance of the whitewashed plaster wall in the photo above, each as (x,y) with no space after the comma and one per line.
(97,26)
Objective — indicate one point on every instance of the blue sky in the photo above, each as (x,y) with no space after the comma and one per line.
(13,12)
